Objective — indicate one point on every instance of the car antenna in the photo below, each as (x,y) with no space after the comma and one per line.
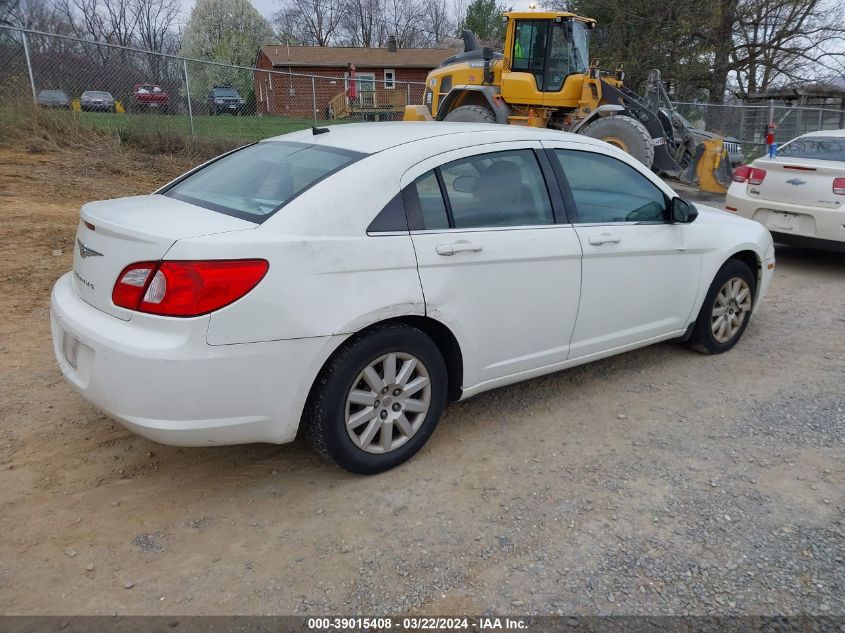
(319,130)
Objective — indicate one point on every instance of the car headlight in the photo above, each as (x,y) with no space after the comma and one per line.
(218,101)
(242,102)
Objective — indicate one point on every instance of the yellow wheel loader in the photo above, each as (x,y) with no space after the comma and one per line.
(544,79)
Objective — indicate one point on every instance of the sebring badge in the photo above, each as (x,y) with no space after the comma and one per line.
(84,251)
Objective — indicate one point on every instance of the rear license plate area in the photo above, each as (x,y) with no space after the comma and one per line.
(782,221)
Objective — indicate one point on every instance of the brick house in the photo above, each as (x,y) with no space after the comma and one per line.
(383,79)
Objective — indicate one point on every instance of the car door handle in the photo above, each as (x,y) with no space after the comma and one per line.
(461,246)
(604,238)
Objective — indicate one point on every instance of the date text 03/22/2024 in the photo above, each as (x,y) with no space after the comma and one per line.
(418,623)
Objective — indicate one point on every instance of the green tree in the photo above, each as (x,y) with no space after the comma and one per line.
(225,31)
(484,18)
(639,35)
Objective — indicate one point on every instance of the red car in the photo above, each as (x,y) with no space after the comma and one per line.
(150,97)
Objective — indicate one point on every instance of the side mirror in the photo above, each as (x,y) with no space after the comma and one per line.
(682,211)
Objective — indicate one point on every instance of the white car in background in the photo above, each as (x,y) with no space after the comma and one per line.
(351,280)
(799,195)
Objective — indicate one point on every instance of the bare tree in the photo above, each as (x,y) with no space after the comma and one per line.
(439,20)
(155,24)
(785,41)
(405,19)
(314,22)
(362,23)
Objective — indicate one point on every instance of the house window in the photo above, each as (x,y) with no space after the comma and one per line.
(389,78)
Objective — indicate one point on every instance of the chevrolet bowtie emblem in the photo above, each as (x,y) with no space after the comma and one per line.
(84,251)
(796,181)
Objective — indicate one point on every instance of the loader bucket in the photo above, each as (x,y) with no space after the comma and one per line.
(710,169)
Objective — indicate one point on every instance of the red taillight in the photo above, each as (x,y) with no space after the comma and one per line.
(753,175)
(839,186)
(741,173)
(756,176)
(186,288)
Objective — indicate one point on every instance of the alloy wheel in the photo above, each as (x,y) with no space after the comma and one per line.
(388,402)
(731,308)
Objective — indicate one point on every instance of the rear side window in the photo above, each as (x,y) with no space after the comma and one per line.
(607,190)
(487,190)
(817,147)
(500,189)
(256,181)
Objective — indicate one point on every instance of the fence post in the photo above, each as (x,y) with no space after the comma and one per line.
(29,67)
(188,94)
(408,93)
(314,98)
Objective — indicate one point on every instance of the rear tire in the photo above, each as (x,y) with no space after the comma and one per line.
(471,114)
(726,310)
(623,132)
(377,400)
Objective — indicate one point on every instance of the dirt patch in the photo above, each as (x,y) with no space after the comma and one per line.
(659,481)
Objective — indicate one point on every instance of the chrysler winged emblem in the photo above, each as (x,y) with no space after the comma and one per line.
(84,251)
(796,181)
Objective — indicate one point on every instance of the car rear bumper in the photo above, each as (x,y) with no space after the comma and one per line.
(161,379)
(789,221)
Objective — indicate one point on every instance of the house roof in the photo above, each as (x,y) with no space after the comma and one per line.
(341,57)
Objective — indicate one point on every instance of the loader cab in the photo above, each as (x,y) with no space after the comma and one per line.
(543,51)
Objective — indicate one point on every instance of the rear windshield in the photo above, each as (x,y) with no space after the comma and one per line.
(256,181)
(818,147)
(52,93)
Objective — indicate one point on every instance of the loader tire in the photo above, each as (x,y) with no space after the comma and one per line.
(471,114)
(626,133)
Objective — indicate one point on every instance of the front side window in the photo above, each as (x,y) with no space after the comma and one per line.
(498,189)
(254,182)
(816,147)
(568,53)
(529,48)
(607,190)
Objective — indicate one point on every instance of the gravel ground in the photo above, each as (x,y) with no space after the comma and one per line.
(656,482)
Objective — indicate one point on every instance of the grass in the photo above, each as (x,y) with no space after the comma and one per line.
(156,133)
(213,128)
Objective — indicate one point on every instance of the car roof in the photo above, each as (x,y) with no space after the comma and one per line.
(371,138)
(837,133)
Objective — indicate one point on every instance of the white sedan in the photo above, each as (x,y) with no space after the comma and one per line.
(799,195)
(349,281)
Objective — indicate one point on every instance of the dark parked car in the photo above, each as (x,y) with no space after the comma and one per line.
(223,99)
(97,101)
(53,99)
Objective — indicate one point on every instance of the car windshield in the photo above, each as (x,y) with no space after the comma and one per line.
(255,182)
(52,93)
(97,94)
(816,147)
(226,93)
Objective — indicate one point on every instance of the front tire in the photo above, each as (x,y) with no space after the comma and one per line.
(377,400)
(626,133)
(726,310)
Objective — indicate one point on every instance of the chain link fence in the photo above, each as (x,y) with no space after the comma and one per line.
(176,101)
(141,95)
(746,124)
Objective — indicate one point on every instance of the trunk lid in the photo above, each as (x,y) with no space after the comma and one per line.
(137,229)
(804,181)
